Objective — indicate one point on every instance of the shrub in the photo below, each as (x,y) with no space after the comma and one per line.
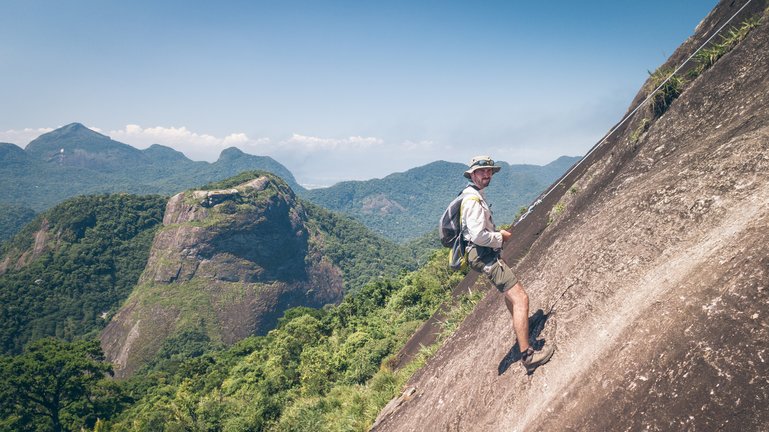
(668,88)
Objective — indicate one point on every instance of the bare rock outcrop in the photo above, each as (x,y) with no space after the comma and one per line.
(15,260)
(653,274)
(229,261)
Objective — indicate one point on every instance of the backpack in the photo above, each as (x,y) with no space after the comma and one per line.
(450,231)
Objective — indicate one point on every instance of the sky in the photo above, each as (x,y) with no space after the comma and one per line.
(336,90)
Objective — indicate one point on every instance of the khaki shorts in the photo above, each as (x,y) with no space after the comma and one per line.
(487,261)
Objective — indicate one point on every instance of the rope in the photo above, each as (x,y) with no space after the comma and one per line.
(627,117)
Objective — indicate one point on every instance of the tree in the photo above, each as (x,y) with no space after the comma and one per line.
(56,385)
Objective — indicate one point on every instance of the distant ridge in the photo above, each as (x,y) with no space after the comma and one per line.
(403,206)
(162,153)
(76,145)
(75,160)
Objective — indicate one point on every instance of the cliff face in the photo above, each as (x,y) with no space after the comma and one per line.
(653,277)
(227,262)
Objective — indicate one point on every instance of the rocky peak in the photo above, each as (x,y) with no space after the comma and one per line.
(237,256)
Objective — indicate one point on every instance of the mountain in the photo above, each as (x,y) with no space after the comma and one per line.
(230,258)
(647,268)
(74,160)
(12,219)
(165,155)
(11,154)
(404,206)
(77,146)
(67,270)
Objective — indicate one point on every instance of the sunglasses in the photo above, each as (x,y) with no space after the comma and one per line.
(483,163)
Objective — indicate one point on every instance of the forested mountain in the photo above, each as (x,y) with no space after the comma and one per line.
(12,219)
(319,369)
(82,257)
(68,271)
(651,258)
(74,160)
(231,257)
(404,206)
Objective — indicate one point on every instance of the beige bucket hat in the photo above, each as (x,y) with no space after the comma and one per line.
(479,162)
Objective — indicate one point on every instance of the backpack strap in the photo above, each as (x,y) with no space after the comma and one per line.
(472,185)
(475,198)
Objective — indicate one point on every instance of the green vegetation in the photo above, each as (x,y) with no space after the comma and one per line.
(521,211)
(361,255)
(643,126)
(404,206)
(671,88)
(675,84)
(12,219)
(326,366)
(710,55)
(320,369)
(57,386)
(423,247)
(92,163)
(96,248)
(555,212)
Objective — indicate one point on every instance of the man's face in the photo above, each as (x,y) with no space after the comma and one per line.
(482,177)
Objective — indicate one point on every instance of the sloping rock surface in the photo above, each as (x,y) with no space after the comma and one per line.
(653,278)
(226,262)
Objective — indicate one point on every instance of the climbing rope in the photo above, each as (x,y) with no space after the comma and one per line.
(628,116)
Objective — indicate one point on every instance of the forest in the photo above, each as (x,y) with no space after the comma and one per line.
(96,250)
(320,369)
(68,271)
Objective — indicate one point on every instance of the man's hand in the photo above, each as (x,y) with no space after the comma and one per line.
(505,235)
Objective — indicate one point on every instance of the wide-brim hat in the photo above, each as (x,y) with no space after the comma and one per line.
(479,162)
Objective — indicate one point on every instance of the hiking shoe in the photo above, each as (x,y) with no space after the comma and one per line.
(533,359)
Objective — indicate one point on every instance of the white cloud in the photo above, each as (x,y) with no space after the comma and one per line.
(424,145)
(22,137)
(310,144)
(194,145)
(318,161)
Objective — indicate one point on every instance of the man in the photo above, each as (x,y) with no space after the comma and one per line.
(483,255)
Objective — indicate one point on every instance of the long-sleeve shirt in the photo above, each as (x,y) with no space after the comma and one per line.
(477,225)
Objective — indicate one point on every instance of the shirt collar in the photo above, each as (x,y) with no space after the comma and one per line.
(475,187)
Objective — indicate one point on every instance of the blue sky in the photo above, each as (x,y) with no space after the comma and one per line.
(335,90)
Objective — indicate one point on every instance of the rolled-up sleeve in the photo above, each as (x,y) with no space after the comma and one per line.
(479,228)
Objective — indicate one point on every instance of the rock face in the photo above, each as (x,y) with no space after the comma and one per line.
(16,260)
(655,274)
(229,261)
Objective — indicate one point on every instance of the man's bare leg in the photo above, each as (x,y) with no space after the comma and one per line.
(517,302)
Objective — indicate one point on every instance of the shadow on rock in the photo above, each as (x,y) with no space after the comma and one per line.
(536,325)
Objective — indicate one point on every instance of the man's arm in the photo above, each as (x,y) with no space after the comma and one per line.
(478,232)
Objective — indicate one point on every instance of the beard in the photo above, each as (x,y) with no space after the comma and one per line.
(482,182)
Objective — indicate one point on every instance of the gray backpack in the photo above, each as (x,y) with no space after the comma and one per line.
(450,231)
